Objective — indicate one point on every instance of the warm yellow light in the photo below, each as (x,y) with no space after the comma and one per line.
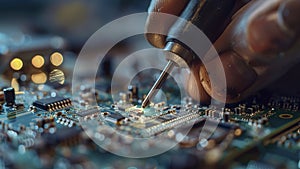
(16,64)
(15,84)
(38,61)
(56,58)
(238,132)
(39,78)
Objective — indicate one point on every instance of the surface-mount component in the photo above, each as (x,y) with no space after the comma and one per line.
(114,118)
(9,95)
(134,90)
(87,112)
(52,103)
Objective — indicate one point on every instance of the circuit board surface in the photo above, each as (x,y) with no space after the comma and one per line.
(54,129)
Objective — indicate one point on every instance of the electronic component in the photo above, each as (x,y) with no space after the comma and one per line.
(114,118)
(52,103)
(10,97)
(125,107)
(263,127)
(134,90)
(226,116)
(87,112)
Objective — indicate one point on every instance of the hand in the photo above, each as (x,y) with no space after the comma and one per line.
(259,45)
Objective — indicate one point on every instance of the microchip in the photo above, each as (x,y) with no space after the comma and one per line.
(52,103)
(166,118)
(125,107)
(114,118)
(88,112)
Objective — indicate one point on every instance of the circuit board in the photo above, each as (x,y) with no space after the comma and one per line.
(50,128)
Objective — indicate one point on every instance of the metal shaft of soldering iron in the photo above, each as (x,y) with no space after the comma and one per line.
(159,82)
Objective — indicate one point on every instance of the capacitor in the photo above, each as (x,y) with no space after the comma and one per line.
(134,90)
(237,110)
(226,116)
(9,95)
(249,110)
(129,96)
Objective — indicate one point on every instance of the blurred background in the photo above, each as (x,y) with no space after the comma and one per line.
(40,40)
(74,20)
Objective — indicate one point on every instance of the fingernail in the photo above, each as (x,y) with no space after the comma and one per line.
(290,13)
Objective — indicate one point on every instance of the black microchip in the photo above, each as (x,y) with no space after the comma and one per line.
(91,111)
(52,103)
(115,118)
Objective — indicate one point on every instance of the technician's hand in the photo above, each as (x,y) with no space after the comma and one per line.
(260,45)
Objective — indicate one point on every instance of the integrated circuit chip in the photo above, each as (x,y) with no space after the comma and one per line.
(88,112)
(114,118)
(52,103)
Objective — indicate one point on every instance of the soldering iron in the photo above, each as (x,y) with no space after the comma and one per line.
(209,16)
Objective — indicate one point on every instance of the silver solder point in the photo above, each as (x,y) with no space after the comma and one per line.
(159,82)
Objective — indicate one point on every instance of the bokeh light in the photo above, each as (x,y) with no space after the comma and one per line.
(16,64)
(15,84)
(39,78)
(38,61)
(56,59)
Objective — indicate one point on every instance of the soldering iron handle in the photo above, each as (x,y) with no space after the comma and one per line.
(208,15)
